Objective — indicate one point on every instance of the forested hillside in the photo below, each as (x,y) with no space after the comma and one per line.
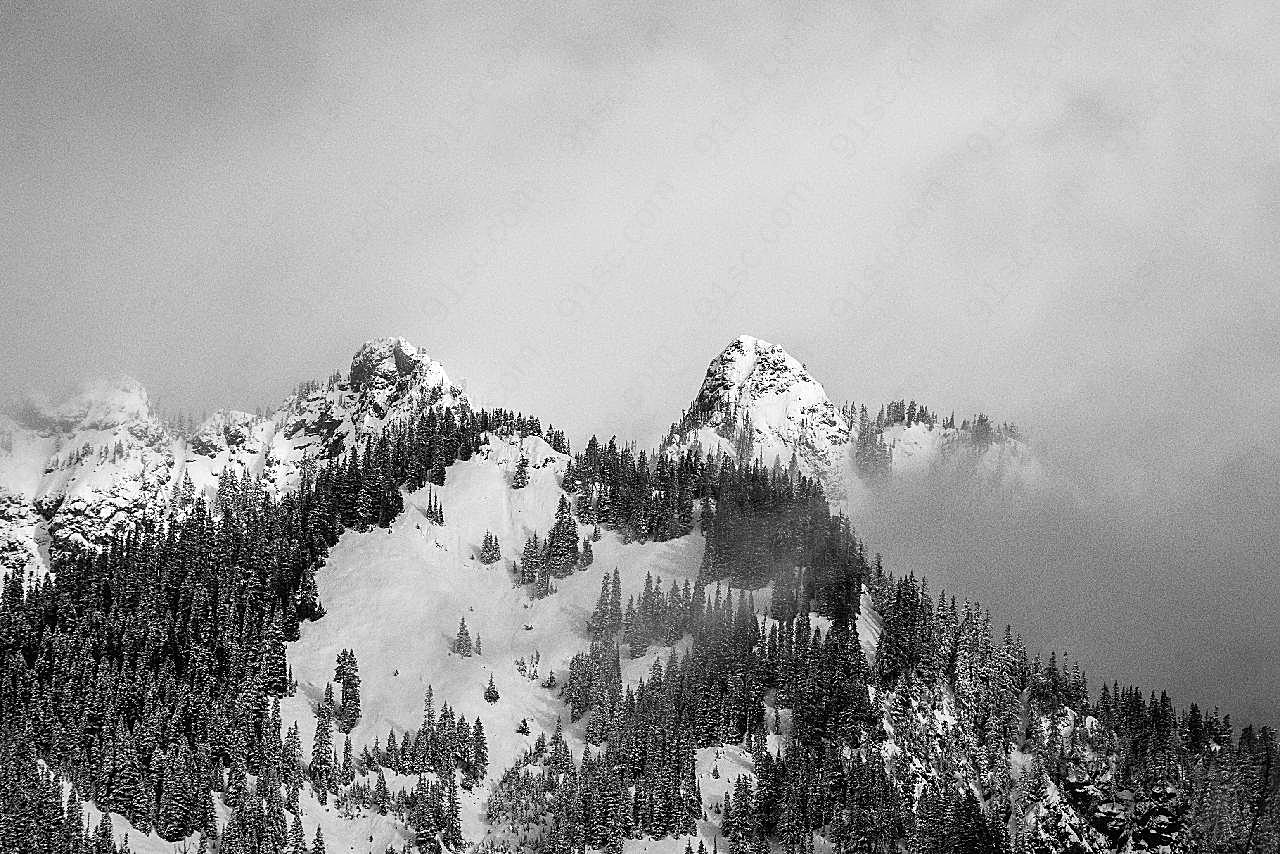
(428,626)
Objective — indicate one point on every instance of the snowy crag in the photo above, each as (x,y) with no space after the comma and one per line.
(758,402)
(382,618)
(73,473)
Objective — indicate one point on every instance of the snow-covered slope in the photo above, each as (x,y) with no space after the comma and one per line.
(395,597)
(923,450)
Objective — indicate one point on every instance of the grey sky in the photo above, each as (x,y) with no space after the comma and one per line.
(1065,214)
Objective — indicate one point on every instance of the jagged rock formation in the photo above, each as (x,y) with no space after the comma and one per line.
(759,402)
(72,473)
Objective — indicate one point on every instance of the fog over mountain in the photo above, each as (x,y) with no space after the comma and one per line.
(1174,595)
(1063,216)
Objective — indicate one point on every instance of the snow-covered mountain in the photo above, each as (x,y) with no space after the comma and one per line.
(72,472)
(420,579)
(757,401)
(978,740)
(76,470)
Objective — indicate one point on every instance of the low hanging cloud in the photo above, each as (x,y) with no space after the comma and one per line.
(1176,597)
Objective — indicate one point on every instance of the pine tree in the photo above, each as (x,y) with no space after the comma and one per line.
(633,633)
(451,833)
(530,561)
(490,552)
(479,752)
(491,692)
(322,754)
(615,603)
(462,643)
(297,837)
(562,542)
(275,664)
(521,477)
(348,674)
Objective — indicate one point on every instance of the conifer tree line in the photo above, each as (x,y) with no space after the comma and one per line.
(638,777)
(1138,775)
(148,673)
(143,672)
(447,753)
(558,555)
(1144,776)
(365,483)
(758,519)
(873,457)
(642,497)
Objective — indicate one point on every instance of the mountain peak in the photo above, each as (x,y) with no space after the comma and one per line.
(99,405)
(382,362)
(758,401)
(750,369)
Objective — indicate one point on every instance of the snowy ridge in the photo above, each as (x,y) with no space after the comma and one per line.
(389,378)
(75,471)
(72,472)
(923,450)
(758,402)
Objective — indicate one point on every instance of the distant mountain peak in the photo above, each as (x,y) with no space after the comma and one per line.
(101,404)
(72,470)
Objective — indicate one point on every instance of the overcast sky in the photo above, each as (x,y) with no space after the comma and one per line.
(1064,214)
